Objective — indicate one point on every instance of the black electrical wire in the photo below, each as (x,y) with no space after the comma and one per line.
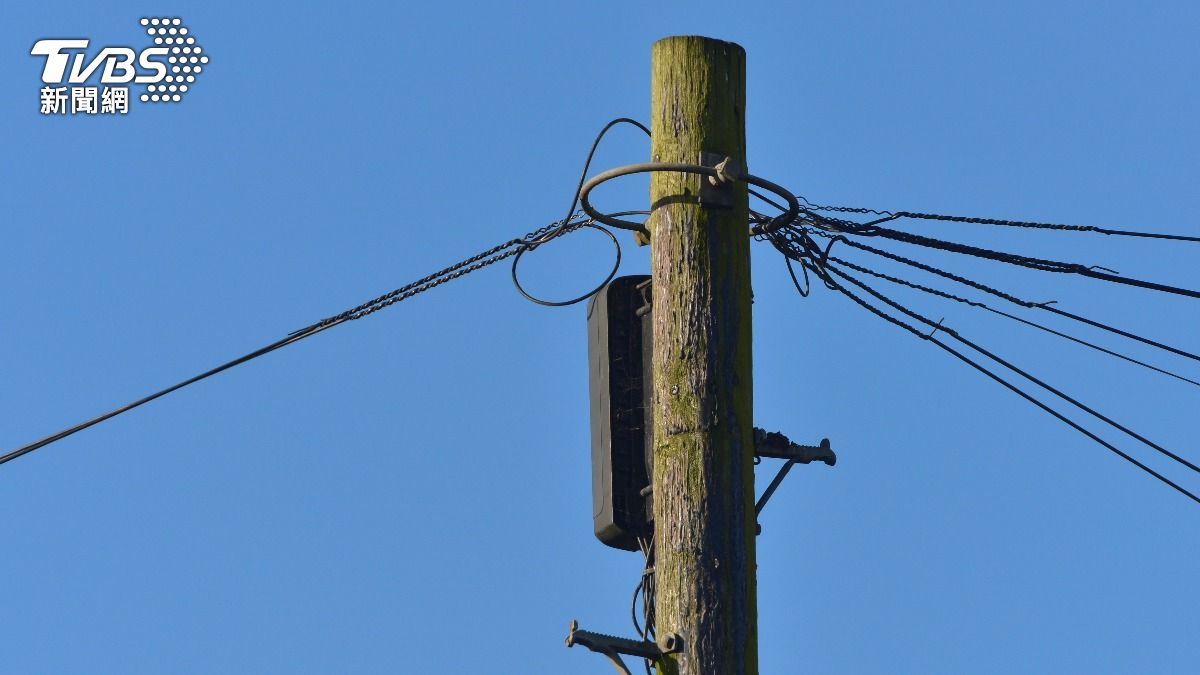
(1046,226)
(893,215)
(1008,385)
(570,227)
(553,233)
(1118,331)
(455,271)
(637,591)
(1023,261)
(872,229)
(938,326)
(1047,306)
(1064,419)
(591,153)
(294,337)
(1013,317)
(1096,347)
(513,248)
(795,243)
(645,588)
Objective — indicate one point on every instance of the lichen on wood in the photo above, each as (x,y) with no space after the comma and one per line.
(703,442)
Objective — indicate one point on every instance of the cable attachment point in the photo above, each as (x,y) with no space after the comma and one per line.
(716,190)
(785,218)
(613,646)
(776,445)
(727,172)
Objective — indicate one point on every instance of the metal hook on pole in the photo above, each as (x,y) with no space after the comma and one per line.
(613,646)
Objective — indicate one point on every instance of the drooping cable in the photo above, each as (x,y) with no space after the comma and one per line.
(553,233)
(940,327)
(455,271)
(873,229)
(795,242)
(1046,306)
(892,215)
(1030,262)
(1008,385)
(645,587)
(1013,317)
(513,248)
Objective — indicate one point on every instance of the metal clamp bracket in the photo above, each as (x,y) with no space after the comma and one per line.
(613,646)
(777,446)
(717,191)
(727,173)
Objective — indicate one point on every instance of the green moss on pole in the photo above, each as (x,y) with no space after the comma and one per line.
(703,441)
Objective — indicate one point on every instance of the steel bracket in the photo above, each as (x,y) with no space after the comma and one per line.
(613,646)
(717,191)
(776,445)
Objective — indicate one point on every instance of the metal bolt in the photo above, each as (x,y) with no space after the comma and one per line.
(670,643)
(727,171)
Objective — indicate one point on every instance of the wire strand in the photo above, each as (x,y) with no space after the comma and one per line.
(1046,306)
(1004,223)
(1008,385)
(1046,226)
(455,271)
(939,326)
(1025,261)
(1013,317)
(512,248)
(294,337)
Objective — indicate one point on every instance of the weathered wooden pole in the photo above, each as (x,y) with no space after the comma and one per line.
(703,483)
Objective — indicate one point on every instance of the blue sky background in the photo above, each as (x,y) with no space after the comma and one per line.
(410,493)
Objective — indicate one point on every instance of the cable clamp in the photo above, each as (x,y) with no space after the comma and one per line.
(776,445)
(613,646)
(716,190)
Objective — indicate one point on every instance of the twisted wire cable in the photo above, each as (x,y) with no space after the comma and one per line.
(894,215)
(796,243)
(1045,306)
(460,269)
(512,248)
(1013,317)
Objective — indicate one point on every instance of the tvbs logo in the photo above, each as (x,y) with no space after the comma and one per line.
(168,69)
(118,63)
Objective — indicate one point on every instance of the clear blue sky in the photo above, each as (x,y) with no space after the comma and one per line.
(410,493)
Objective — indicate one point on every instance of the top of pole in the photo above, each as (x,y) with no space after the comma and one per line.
(702,38)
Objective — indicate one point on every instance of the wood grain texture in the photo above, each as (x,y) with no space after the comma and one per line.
(703,442)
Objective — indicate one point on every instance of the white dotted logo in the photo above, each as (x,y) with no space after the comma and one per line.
(168,68)
(185,62)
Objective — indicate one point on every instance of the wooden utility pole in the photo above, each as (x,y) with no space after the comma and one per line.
(703,483)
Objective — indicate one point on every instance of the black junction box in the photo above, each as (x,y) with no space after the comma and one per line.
(619,342)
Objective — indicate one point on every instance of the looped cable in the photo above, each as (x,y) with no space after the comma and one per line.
(595,144)
(569,227)
(803,293)
(793,208)
(547,234)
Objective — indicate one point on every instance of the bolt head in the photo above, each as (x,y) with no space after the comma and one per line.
(670,643)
